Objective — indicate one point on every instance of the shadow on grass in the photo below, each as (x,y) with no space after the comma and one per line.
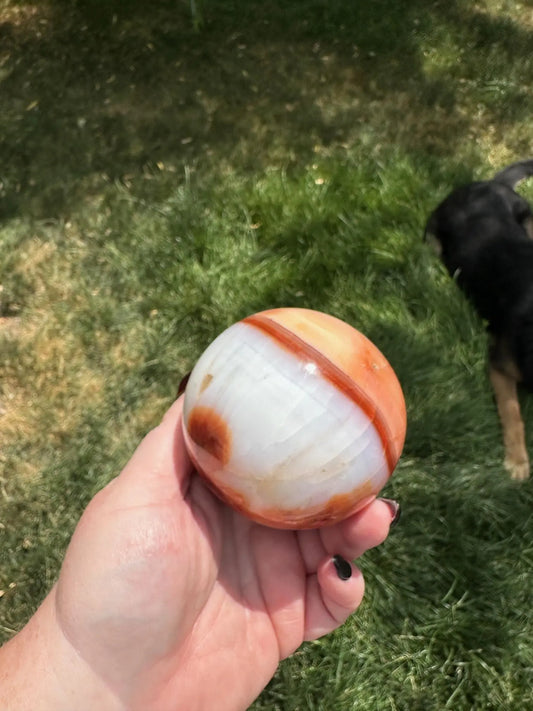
(97,91)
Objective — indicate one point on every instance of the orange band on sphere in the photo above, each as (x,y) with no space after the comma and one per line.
(344,382)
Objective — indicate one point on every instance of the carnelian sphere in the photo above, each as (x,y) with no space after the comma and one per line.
(294,418)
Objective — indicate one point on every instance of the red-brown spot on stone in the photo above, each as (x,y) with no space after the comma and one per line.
(209,431)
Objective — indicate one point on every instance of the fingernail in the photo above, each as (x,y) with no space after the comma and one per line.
(183,384)
(343,568)
(395,510)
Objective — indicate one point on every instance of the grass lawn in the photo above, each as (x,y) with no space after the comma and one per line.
(162,176)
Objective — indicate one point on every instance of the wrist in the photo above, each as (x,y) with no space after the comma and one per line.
(39,669)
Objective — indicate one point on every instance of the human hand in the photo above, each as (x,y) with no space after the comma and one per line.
(170,600)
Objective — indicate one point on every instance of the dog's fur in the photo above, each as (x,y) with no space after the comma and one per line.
(483,232)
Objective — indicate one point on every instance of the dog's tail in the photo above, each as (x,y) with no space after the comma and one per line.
(514,173)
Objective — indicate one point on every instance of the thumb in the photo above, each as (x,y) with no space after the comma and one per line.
(160,468)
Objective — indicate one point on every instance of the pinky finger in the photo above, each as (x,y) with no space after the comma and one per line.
(332,596)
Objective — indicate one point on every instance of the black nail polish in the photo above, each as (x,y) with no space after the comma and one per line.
(343,568)
(395,510)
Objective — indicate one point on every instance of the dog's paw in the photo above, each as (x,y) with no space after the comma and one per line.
(519,470)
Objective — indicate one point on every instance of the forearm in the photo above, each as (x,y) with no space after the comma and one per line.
(39,669)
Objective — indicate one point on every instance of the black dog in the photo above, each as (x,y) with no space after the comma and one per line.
(483,232)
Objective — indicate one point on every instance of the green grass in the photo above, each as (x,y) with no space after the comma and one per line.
(160,180)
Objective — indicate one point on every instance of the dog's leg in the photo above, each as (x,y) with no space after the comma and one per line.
(516,458)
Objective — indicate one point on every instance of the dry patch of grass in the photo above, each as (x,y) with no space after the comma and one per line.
(44,368)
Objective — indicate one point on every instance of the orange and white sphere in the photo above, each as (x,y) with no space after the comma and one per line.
(294,418)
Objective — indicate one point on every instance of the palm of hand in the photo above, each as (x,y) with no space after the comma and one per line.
(176,601)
